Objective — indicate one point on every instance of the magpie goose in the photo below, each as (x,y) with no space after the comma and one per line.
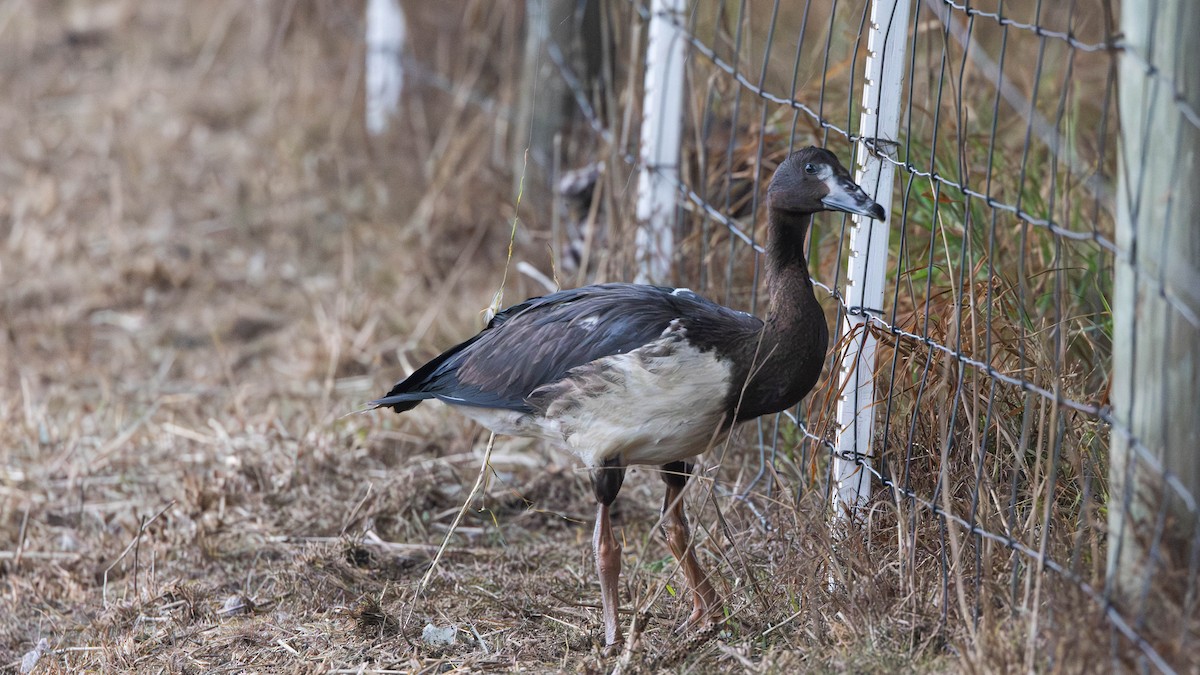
(621,374)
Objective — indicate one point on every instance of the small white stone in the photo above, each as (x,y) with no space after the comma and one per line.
(439,637)
(234,604)
(67,541)
(31,658)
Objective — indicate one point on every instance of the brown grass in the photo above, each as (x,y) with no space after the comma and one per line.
(205,265)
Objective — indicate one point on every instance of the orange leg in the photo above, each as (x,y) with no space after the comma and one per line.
(608,566)
(606,483)
(706,607)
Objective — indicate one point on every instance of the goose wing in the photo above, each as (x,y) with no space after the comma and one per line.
(538,341)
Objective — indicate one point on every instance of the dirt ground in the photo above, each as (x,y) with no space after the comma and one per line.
(206,268)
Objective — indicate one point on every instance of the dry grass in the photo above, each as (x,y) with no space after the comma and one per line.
(205,266)
(979,282)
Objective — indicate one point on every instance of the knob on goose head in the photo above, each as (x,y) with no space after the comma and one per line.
(812,180)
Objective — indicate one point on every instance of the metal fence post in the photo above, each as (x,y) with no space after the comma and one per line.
(384,69)
(1156,299)
(662,128)
(867,267)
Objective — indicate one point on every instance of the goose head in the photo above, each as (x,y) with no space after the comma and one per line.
(812,180)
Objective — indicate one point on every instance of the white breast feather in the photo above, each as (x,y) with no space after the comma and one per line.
(660,403)
(661,409)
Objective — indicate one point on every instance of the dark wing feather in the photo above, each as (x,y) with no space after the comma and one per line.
(538,341)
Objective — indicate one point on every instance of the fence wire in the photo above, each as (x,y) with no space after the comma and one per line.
(993,424)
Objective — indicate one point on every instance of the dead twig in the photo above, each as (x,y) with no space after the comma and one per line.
(129,547)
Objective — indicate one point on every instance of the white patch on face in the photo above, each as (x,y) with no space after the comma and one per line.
(843,195)
(827,176)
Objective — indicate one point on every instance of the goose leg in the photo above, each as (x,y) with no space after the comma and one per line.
(606,483)
(706,607)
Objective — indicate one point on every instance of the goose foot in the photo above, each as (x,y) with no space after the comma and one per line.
(610,650)
(702,621)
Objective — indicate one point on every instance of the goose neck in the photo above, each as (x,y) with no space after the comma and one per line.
(788,280)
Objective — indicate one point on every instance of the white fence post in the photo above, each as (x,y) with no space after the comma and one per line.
(662,128)
(384,69)
(867,266)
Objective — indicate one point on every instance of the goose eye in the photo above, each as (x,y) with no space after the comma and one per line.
(810,168)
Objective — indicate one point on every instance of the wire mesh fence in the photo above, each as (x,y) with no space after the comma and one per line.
(998,435)
(995,336)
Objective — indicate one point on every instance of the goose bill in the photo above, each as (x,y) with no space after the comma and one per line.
(846,196)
